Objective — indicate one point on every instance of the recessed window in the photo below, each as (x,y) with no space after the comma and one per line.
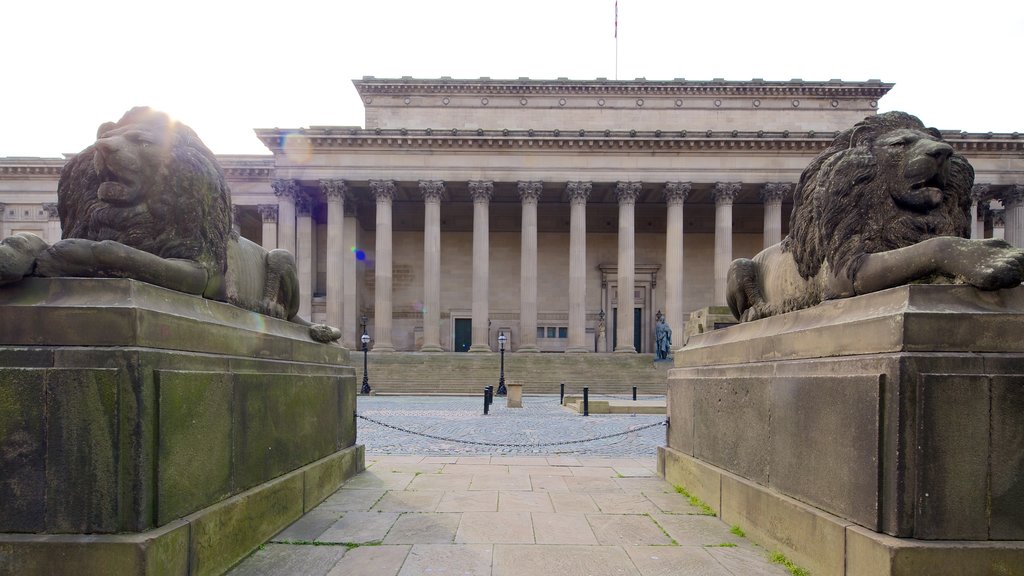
(563,332)
(551,331)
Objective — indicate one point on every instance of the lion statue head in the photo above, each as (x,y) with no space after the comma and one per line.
(149,182)
(886,183)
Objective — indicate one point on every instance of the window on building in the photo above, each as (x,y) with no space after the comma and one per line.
(563,332)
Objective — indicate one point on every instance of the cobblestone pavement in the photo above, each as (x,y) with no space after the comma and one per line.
(541,420)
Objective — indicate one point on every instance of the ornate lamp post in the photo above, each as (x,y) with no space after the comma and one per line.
(501,379)
(365,339)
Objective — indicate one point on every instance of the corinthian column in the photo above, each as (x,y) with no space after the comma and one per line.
(627,193)
(578,193)
(675,195)
(286,190)
(529,195)
(268,212)
(724,194)
(349,338)
(433,193)
(334,192)
(304,252)
(978,193)
(481,193)
(1013,201)
(384,192)
(772,195)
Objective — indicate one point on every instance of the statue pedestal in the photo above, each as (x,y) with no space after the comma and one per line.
(515,396)
(147,431)
(881,435)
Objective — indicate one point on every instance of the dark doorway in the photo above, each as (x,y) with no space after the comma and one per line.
(637,335)
(463,334)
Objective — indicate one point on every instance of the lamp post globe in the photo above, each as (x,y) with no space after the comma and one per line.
(365,339)
(501,379)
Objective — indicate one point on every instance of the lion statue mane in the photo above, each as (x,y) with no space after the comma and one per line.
(886,204)
(148,200)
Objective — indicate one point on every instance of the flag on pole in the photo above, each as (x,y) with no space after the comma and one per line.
(616,19)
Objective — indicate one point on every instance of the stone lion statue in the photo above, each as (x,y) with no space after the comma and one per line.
(887,204)
(149,201)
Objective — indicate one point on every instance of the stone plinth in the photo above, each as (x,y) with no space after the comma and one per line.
(862,432)
(143,429)
(515,396)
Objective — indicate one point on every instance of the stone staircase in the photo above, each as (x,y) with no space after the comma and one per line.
(469,373)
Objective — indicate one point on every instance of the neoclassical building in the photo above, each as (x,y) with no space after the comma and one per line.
(565,214)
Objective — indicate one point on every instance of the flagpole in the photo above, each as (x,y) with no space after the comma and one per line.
(616,39)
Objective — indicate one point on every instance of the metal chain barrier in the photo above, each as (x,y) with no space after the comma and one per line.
(630,398)
(504,445)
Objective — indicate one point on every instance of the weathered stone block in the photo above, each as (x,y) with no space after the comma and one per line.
(731,424)
(872,554)
(825,434)
(701,481)
(322,478)
(82,462)
(809,537)
(952,457)
(228,531)
(1007,458)
(22,448)
(282,422)
(680,429)
(195,436)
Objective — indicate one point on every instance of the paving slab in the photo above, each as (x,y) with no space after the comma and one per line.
(376,478)
(351,500)
(370,561)
(676,561)
(627,529)
(748,562)
(692,530)
(469,501)
(448,560)
(511,560)
(548,483)
(276,559)
(569,502)
(424,528)
(524,502)
(644,485)
(495,527)
(619,503)
(500,482)
(672,502)
(591,484)
(408,501)
(441,482)
(562,528)
(309,527)
(359,527)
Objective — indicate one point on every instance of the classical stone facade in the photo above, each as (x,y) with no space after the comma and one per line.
(465,208)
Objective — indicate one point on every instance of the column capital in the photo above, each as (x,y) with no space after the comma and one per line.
(303,204)
(333,189)
(51,210)
(481,191)
(285,188)
(979,191)
(1012,195)
(725,192)
(998,217)
(677,192)
(432,190)
(775,191)
(383,190)
(268,212)
(579,192)
(628,192)
(529,192)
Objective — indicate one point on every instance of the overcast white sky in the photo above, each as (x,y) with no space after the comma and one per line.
(226,67)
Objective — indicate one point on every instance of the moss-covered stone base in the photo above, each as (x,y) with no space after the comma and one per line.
(207,542)
(825,544)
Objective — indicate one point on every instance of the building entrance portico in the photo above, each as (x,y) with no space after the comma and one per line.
(645,283)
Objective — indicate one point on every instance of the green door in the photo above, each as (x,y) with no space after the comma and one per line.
(463,334)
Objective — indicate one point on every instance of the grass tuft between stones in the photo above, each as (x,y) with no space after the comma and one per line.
(780,559)
(722,545)
(738,531)
(695,502)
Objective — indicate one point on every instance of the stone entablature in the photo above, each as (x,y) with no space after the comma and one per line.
(598,104)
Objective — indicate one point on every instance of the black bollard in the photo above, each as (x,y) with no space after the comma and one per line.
(487,400)
(634,393)
(490,395)
(561,394)
(586,401)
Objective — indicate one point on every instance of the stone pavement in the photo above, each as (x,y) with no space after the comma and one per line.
(541,420)
(508,515)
